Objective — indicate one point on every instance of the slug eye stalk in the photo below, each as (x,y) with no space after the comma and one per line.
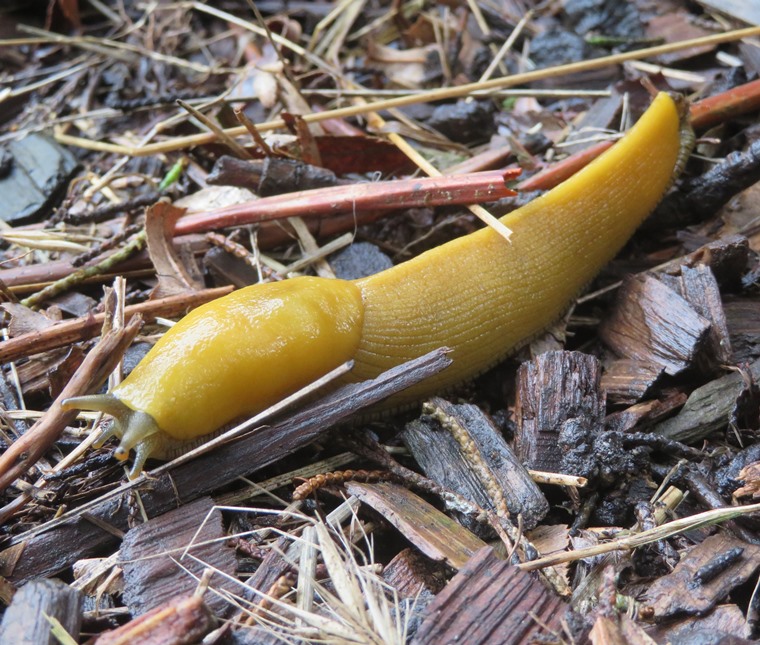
(136,430)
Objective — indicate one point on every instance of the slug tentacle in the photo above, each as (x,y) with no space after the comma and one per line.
(478,295)
(135,429)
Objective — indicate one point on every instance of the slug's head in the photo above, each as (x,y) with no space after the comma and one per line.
(136,430)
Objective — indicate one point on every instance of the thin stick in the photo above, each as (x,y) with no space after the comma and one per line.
(79,276)
(422,97)
(714,516)
(233,145)
(255,134)
(77,329)
(355,198)
(25,452)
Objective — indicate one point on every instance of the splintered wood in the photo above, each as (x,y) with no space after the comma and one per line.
(459,448)
(490,601)
(560,409)
(166,557)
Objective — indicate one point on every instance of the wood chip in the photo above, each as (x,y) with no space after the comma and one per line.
(435,534)
(681,592)
(559,406)
(153,567)
(410,573)
(712,407)
(25,622)
(177,622)
(628,381)
(490,601)
(485,470)
(652,323)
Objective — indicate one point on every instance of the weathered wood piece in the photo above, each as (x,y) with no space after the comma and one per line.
(150,554)
(628,381)
(177,622)
(410,573)
(743,321)
(696,585)
(56,545)
(724,621)
(481,467)
(435,534)
(652,323)
(271,175)
(490,602)
(700,288)
(726,257)
(703,196)
(710,407)
(229,269)
(618,629)
(559,408)
(645,413)
(24,622)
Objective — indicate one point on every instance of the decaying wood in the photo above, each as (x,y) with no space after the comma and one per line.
(700,288)
(72,331)
(159,562)
(627,381)
(559,410)
(433,533)
(480,466)
(703,196)
(726,622)
(726,257)
(176,622)
(652,323)
(743,321)
(750,475)
(713,406)
(100,362)
(690,590)
(53,546)
(25,621)
(645,413)
(490,602)
(618,629)
(271,175)
(411,574)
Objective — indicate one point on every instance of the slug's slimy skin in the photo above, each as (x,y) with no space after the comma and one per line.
(234,356)
(479,295)
(483,297)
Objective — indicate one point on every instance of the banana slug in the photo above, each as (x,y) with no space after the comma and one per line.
(478,295)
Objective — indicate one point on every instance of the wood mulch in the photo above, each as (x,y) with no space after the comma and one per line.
(599,486)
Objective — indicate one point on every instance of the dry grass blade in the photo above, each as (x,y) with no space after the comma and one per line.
(363,609)
(421,97)
(715,516)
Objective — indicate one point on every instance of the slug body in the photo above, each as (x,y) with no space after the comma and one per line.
(479,295)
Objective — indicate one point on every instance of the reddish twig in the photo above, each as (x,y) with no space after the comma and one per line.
(726,105)
(404,193)
(558,172)
(71,331)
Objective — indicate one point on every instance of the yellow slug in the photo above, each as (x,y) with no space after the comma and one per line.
(479,295)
